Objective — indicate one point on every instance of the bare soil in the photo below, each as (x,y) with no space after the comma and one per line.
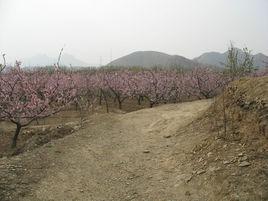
(161,154)
(57,126)
(114,157)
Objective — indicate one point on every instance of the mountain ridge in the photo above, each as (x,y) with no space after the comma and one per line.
(45,60)
(218,59)
(151,59)
(155,58)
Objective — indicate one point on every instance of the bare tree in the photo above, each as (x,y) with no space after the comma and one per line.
(3,66)
(232,61)
(247,65)
(238,65)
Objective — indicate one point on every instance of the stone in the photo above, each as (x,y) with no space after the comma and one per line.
(209,154)
(77,127)
(244,158)
(188,178)
(214,169)
(244,164)
(200,172)
(226,162)
(146,151)
(233,160)
(167,136)
(187,193)
(184,178)
(240,154)
(200,160)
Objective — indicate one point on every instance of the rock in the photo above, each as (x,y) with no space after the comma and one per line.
(146,151)
(77,128)
(187,193)
(200,160)
(233,160)
(209,154)
(184,178)
(244,158)
(226,162)
(216,159)
(167,136)
(244,164)
(60,126)
(240,154)
(200,172)
(188,178)
(213,169)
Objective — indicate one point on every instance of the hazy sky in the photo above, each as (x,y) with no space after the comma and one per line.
(91,29)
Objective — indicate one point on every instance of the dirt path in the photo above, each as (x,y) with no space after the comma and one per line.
(135,156)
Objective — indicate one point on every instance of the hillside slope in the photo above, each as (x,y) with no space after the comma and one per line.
(219,59)
(237,148)
(151,59)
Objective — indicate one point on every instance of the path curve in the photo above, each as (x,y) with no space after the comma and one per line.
(123,157)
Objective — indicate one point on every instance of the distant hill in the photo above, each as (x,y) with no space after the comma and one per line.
(44,60)
(151,59)
(219,59)
(147,59)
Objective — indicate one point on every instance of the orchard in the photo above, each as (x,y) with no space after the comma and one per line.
(28,95)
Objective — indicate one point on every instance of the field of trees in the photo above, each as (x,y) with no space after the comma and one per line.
(28,95)
(34,101)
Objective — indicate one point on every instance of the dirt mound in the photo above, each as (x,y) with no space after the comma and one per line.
(235,156)
(241,112)
(36,136)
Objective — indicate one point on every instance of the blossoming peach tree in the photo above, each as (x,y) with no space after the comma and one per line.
(31,95)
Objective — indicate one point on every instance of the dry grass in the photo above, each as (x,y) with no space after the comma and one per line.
(241,112)
(237,122)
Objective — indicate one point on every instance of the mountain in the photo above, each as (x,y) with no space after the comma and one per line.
(211,58)
(261,60)
(38,60)
(219,59)
(151,59)
(68,59)
(44,60)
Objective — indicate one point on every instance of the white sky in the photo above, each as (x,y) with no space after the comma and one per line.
(91,29)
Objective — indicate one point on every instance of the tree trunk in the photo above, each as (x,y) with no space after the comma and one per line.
(15,138)
(100,100)
(76,105)
(139,100)
(106,103)
(120,104)
(37,122)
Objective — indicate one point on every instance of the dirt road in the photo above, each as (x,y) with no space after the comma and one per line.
(135,156)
